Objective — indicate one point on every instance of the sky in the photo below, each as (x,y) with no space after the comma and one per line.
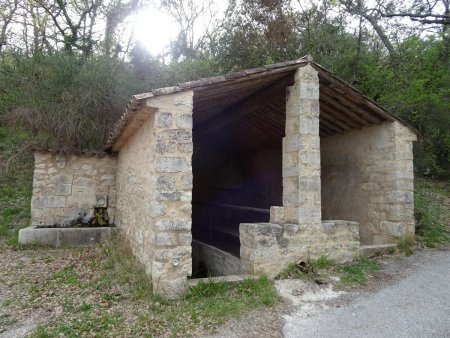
(154,29)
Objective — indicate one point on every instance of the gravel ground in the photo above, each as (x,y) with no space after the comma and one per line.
(411,299)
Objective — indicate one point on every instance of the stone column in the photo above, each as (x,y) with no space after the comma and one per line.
(301,151)
(172,194)
(398,195)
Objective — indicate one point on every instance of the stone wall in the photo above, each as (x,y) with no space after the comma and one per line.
(215,261)
(367,176)
(66,189)
(268,248)
(154,183)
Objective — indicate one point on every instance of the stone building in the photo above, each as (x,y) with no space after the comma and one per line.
(241,174)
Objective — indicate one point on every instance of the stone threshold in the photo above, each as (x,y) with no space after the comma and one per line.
(231,279)
(376,249)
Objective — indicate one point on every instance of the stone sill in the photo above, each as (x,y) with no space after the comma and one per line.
(65,236)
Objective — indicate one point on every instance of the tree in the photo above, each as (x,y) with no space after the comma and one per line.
(8,9)
(74,21)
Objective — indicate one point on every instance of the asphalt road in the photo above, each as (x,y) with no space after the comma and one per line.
(417,305)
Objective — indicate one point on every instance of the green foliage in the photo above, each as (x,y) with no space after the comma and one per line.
(99,322)
(406,244)
(67,276)
(310,270)
(69,101)
(355,272)
(319,271)
(416,87)
(432,212)
(15,186)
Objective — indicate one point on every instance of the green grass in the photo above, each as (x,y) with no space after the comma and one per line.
(66,276)
(406,245)
(124,304)
(432,212)
(89,323)
(355,273)
(320,270)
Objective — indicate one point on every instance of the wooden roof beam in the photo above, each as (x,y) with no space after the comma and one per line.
(255,101)
(342,110)
(324,116)
(355,95)
(357,110)
(330,126)
(333,113)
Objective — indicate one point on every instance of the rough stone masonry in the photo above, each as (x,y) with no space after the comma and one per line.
(67,189)
(147,188)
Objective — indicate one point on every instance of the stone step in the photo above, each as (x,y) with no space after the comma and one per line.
(376,249)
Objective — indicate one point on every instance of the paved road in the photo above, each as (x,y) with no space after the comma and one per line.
(415,306)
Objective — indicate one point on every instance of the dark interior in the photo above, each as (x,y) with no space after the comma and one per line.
(237,163)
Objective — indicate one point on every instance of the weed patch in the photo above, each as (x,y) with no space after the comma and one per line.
(432,212)
(355,273)
(406,245)
(320,270)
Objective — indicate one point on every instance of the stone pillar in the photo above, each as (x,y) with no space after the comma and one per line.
(398,202)
(172,194)
(301,151)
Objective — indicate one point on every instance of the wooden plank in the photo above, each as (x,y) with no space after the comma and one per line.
(324,115)
(243,107)
(355,94)
(349,105)
(331,111)
(331,126)
(343,110)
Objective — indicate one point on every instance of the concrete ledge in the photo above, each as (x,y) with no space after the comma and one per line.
(64,236)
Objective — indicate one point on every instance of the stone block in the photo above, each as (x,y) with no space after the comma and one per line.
(310,215)
(185,238)
(172,164)
(63,189)
(175,135)
(165,146)
(292,143)
(165,183)
(184,121)
(394,229)
(156,209)
(173,225)
(61,179)
(309,125)
(187,181)
(83,182)
(185,147)
(163,120)
(48,202)
(82,196)
(164,238)
(277,215)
